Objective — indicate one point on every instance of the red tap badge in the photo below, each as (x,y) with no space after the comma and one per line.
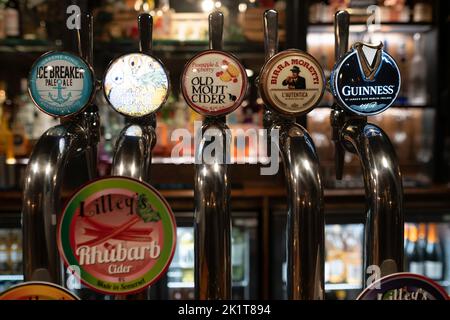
(119,232)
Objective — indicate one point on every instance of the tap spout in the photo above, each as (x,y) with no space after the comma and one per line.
(305,221)
(384,194)
(212,214)
(133,152)
(42,199)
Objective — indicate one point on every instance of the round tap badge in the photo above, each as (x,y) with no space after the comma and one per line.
(121,234)
(37,290)
(292,82)
(366,80)
(136,84)
(214,83)
(404,286)
(61,84)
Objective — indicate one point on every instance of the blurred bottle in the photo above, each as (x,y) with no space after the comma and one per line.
(2,21)
(335,256)
(423,11)
(238,255)
(434,266)
(414,255)
(6,136)
(12,19)
(353,251)
(417,86)
(4,263)
(15,252)
(186,256)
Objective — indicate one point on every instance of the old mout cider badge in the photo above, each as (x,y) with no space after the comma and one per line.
(61,84)
(292,82)
(214,83)
(121,234)
(366,81)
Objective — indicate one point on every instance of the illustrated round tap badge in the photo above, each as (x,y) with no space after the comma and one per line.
(61,84)
(119,232)
(214,83)
(404,286)
(366,80)
(37,290)
(136,84)
(292,82)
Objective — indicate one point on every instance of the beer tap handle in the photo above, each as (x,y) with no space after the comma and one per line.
(341,35)
(145,22)
(85,38)
(270,33)
(215,20)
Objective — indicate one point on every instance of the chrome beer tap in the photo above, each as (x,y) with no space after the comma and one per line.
(213,84)
(383,240)
(55,152)
(305,219)
(133,150)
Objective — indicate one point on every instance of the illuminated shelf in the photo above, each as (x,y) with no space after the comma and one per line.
(384,27)
(11,277)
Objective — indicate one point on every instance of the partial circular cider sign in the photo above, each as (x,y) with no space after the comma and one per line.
(61,84)
(136,84)
(214,83)
(292,82)
(119,232)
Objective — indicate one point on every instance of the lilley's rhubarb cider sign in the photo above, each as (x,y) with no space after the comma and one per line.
(404,286)
(119,232)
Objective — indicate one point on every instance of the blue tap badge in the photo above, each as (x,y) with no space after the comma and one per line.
(366,80)
(61,84)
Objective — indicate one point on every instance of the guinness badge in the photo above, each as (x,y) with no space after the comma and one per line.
(214,83)
(366,80)
(61,84)
(136,84)
(292,82)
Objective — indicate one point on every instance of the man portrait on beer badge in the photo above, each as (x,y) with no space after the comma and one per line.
(294,81)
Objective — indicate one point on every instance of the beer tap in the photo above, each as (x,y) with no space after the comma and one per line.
(133,150)
(213,84)
(365,81)
(286,96)
(150,87)
(68,96)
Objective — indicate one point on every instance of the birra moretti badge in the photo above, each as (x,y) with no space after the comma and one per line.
(214,83)
(119,232)
(366,80)
(292,82)
(61,84)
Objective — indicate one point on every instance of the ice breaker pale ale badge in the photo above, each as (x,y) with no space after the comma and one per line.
(214,83)
(37,290)
(136,84)
(366,80)
(61,84)
(121,234)
(292,82)
(404,286)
